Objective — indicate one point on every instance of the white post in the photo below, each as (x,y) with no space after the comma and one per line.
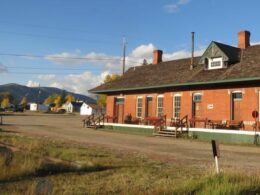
(216,162)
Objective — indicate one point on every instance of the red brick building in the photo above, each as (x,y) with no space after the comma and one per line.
(222,84)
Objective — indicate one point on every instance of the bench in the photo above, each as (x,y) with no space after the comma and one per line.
(216,124)
(193,121)
(234,124)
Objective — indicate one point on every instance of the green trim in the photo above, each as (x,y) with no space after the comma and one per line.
(178,85)
(224,138)
(128,130)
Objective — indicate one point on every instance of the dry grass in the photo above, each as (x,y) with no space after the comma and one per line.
(73,169)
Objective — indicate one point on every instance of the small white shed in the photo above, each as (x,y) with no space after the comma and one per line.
(33,107)
(88,109)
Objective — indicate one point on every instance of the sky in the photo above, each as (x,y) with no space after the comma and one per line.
(74,44)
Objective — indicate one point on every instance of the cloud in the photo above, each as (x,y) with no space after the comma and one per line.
(143,51)
(174,7)
(76,58)
(47,77)
(31,83)
(79,83)
(3,68)
(255,43)
(171,8)
(182,54)
(82,82)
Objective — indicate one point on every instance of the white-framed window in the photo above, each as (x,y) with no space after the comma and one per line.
(237,95)
(139,106)
(215,63)
(160,105)
(176,106)
(197,97)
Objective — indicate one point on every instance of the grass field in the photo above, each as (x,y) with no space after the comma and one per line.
(70,168)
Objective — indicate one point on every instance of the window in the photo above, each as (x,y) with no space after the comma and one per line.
(160,106)
(197,97)
(120,100)
(139,101)
(177,106)
(237,95)
(215,63)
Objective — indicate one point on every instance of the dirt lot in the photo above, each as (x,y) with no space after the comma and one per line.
(189,152)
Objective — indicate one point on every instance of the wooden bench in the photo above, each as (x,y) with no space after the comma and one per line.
(216,124)
(234,124)
(193,122)
(153,120)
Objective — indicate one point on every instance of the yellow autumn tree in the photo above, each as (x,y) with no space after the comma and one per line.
(23,102)
(58,101)
(101,99)
(70,98)
(5,102)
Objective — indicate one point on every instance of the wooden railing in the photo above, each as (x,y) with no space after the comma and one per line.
(93,121)
(179,124)
(159,123)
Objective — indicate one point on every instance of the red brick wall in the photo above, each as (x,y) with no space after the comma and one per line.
(110,105)
(220,99)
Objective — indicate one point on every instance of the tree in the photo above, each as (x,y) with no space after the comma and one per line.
(8,95)
(58,101)
(5,102)
(63,97)
(111,77)
(101,99)
(51,99)
(70,98)
(23,102)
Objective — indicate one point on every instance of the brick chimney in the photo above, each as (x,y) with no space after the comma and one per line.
(157,56)
(243,39)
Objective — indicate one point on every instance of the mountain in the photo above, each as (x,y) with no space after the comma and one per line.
(38,94)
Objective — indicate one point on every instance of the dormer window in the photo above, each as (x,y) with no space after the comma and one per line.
(215,63)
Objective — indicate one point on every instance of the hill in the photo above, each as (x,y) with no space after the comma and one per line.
(38,94)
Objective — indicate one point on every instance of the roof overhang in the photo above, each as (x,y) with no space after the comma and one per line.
(175,85)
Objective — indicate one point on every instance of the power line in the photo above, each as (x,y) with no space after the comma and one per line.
(37,68)
(64,58)
(44,73)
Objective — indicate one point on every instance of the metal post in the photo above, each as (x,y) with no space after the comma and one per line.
(192,50)
(216,162)
(124,53)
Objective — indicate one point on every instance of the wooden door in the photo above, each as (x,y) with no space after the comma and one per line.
(237,110)
(119,110)
(236,106)
(149,107)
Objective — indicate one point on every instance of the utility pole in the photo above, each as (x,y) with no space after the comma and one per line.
(192,51)
(124,53)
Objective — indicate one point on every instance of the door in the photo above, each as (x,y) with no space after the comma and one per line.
(119,110)
(196,109)
(236,110)
(149,106)
(196,105)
